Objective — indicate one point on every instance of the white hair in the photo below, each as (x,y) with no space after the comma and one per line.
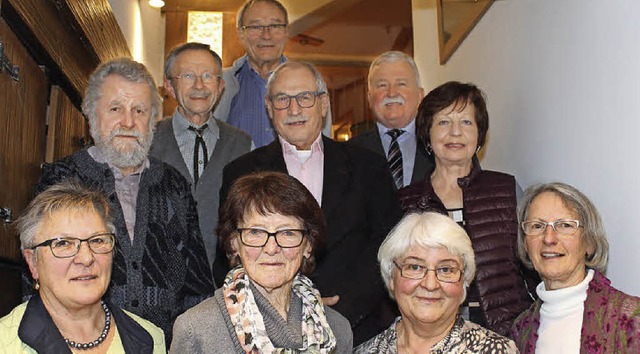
(426,230)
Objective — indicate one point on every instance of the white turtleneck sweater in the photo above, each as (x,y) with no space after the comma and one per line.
(561,317)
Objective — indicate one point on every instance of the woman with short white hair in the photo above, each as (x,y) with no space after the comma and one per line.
(427,263)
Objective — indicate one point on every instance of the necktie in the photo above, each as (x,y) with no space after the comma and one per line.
(196,153)
(395,157)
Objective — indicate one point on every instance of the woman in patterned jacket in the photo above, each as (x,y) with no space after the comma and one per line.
(562,237)
(427,264)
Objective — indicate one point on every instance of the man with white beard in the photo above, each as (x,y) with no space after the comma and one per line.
(160,267)
(394,95)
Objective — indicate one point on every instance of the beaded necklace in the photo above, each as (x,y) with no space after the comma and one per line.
(103,335)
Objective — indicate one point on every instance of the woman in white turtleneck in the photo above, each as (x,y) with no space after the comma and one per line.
(562,237)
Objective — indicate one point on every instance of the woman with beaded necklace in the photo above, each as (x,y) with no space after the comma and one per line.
(67,240)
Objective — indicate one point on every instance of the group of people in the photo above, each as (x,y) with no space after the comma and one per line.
(237,226)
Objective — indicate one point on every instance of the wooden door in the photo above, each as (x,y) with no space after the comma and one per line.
(23,108)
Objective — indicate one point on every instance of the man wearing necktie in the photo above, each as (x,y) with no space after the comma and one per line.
(394,95)
(192,140)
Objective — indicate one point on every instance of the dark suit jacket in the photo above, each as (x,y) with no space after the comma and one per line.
(360,207)
(371,141)
(231,144)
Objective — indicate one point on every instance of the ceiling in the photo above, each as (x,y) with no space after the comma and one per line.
(338,32)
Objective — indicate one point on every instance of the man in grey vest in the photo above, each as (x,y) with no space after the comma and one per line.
(193,140)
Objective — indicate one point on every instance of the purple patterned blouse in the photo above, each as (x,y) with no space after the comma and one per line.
(611,322)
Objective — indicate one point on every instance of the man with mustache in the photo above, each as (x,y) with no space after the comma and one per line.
(394,95)
(352,185)
(193,140)
(160,267)
(263,32)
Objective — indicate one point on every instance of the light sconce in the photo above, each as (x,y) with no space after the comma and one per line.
(156,3)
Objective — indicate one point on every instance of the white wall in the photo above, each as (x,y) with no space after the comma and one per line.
(144,29)
(562,80)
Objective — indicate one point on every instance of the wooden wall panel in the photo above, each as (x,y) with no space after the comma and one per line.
(23,107)
(231,47)
(176,24)
(68,131)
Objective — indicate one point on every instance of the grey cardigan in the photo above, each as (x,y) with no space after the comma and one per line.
(206,328)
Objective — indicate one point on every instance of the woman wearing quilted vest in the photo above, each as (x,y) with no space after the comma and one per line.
(562,237)
(452,124)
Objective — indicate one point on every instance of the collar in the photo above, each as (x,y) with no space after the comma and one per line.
(247,66)
(289,149)
(97,155)
(464,182)
(182,124)
(409,128)
(38,330)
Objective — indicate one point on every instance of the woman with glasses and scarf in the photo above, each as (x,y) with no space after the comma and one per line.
(561,236)
(427,264)
(67,240)
(270,227)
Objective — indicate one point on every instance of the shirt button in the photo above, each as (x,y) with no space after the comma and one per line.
(200,162)
(134,303)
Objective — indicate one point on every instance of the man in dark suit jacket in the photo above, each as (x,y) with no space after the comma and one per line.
(395,93)
(192,77)
(352,186)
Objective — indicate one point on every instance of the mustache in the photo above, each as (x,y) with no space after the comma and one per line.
(390,100)
(128,133)
(295,119)
(199,93)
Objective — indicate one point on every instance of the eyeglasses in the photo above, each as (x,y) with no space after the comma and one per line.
(190,79)
(65,247)
(445,274)
(275,28)
(565,227)
(305,99)
(287,238)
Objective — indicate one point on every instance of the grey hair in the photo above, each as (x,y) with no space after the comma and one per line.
(391,57)
(593,230)
(321,86)
(129,70)
(67,195)
(185,47)
(248,4)
(431,230)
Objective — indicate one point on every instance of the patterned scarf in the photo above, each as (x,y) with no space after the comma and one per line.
(248,323)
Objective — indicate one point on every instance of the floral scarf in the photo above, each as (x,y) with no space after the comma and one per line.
(248,323)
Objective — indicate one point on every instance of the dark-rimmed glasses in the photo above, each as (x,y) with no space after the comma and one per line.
(445,274)
(567,227)
(286,238)
(190,79)
(305,99)
(65,247)
(274,28)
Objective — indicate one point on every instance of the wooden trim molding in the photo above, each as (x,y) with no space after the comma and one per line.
(71,37)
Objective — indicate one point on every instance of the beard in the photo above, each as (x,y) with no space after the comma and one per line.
(124,154)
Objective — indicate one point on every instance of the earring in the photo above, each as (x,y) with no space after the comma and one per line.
(36,286)
(478,149)
(429,149)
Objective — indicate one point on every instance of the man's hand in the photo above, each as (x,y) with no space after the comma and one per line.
(331,300)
